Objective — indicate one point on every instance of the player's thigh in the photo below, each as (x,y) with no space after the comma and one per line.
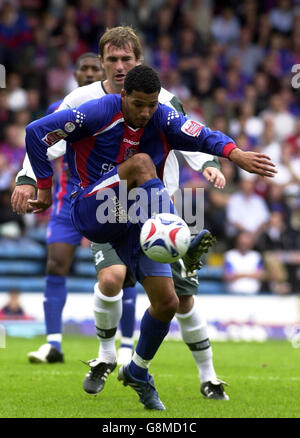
(111,271)
(185,285)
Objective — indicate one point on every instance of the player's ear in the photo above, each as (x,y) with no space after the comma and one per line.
(123,93)
(101,61)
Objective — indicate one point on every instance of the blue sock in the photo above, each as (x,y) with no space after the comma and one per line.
(152,333)
(158,198)
(127,322)
(55,298)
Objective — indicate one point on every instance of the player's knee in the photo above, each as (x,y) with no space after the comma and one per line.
(186,303)
(167,307)
(56,267)
(110,283)
(143,162)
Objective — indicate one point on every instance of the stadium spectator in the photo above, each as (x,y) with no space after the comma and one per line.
(225,27)
(6,173)
(17,95)
(278,236)
(14,34)
(246,211)
(281,17)
(13,308)
(6,115)
(60,76)
(247,122)
(12,225)
(12,148)
(164,57)
(249,54)
(189,52)
(217,200)
(243,266)
(199,14)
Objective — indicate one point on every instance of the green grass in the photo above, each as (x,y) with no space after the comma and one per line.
(264,381)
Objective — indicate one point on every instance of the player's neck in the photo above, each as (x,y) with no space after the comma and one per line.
(110,89)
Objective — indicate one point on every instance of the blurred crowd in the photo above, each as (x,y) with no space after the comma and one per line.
(231,65)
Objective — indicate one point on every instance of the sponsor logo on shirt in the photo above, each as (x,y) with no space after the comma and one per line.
(54,136)
(192,128)
(134,143)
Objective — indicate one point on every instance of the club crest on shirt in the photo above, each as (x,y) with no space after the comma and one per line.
(129,153)
(54,136)
(192,128)
(69,126)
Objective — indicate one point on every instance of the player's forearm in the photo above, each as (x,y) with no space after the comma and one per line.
(37,154)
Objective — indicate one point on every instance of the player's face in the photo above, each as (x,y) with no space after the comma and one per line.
(138,107)
(116,62)
(88,71)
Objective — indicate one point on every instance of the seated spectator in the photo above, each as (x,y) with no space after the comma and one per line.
(247,122)
(12,225)
(243,267)
(12,148)
(14,34)
(164,57)
(246,211)
(16,94)
(225,27)
(59,76)
(278,236)
(281,17)
(6,173)
(217,200)
(284,121)
(174,85)
(13,308)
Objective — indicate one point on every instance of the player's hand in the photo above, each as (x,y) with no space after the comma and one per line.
(253,162)
(215,176)
(20,196)
(43,201)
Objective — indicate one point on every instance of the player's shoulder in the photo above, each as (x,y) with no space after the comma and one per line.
(53,107)
(167,98)
(83,94)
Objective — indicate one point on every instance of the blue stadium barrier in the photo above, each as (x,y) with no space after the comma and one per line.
(23,267)
(23,248)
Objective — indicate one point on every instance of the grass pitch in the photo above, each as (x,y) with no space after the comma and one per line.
(264,382)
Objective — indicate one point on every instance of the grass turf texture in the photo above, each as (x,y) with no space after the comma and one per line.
(264,382)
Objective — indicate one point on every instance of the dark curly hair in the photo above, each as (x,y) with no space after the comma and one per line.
(142,78)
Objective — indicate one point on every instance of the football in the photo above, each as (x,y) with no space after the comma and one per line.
(165,238)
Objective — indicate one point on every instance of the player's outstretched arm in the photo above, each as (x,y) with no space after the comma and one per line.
(253,162)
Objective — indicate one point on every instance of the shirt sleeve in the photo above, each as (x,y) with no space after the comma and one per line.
(69,125)
(185,134)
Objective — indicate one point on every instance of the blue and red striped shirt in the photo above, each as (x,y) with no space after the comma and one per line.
(98,138)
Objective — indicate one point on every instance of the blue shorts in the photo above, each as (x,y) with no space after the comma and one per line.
(60,228)
(124,237)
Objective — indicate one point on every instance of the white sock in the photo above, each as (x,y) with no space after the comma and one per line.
(193,329)
(107,312)
(126,342)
